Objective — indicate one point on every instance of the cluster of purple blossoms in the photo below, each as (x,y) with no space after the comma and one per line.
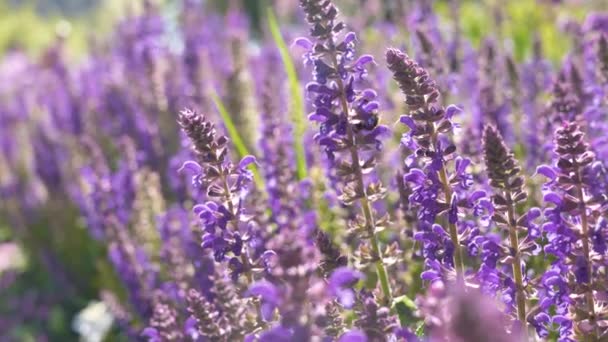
(576,237)
(203,227)
(349,129)
(226,225)
(433,188)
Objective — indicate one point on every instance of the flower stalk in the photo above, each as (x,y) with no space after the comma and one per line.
(370,224)
(348,117)
(503,173)
(428,122)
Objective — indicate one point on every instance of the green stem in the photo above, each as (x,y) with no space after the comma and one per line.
(458,258)
(297,108)
(447,189)
(517,274)
(244,258)
(586,249)
(370,224)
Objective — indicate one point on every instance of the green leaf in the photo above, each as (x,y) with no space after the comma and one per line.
(234,135)
(420,330)
(297,112)
(405,307)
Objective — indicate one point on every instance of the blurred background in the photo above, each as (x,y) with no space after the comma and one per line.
(50,279)
(33,24)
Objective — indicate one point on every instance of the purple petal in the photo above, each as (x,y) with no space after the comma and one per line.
(452,110)
(363,60)
(546,171)
(266,290)
(344,276)
(192,167)
(419,236)
(381,130)
(197,209)
(477,195)
(369,94)
(407,120)
(542,318)
(246,161)
(437,229)
(346,297)
(269,257)
(191,329)
(151,333)
(350,36)
(303,43)
(415,176)
(461,164)
(533,213)
(317,118)
(371,106)
(429,275)
(553,198)
(353,336)
(561,320)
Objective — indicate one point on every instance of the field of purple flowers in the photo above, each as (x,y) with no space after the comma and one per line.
(376,176)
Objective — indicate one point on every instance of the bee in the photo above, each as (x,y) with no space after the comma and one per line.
(369,121)
(368,124)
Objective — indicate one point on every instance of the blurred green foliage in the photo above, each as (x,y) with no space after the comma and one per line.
(33,24)
(22,24)
(63,6)
(519,22)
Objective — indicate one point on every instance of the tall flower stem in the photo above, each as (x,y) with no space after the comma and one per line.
(246,264)
(348,116)
(585,239)
(365,203)
(458,258)
(517,274)
(427,121)
(212,170)
(576,217)
(504,175)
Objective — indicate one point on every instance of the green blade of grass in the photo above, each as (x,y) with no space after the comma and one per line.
(297,111)
(234,135)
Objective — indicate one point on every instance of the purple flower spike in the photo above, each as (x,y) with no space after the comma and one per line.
(349,131)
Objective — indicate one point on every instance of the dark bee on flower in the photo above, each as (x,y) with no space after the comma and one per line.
(368,124)
(367,116)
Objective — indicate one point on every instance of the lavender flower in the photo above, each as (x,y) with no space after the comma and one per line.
(92,150)
(164,324)
(275,143)
(294,283)
(428,124)
(226,228)
(566,103)
(374,320)
(332,323)
(205,315)
(348,119)
(572,221)
(503,172)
